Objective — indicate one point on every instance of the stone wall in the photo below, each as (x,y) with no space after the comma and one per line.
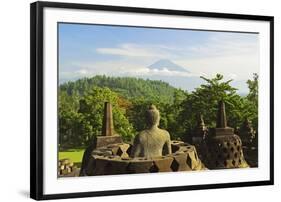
(115,159)
(66,168)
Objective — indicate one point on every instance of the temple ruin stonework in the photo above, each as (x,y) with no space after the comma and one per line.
(200,132)
(152,142)
(108,136)
(152,151)
(223,148)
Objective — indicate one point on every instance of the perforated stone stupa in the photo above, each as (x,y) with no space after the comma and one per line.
(223,147)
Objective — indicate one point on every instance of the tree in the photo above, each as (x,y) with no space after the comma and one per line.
(81,106)
(72,129)
(253,99)
(80,117)
(92,109)
(204,100)
(253,89)
(127,87)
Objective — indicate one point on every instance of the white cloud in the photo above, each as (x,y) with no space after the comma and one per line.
(135,50)
(233,56)
(166,72)
(82,72)
(232,76)
(119,68)
(239,67)
(220,45)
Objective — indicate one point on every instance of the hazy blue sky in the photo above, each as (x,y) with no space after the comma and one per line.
(87,50)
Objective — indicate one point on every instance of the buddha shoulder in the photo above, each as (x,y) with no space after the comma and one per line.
(164,133)
(141,136)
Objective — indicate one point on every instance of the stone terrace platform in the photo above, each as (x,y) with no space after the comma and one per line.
(115,159)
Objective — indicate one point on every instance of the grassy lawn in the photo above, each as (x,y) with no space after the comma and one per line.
(75,155)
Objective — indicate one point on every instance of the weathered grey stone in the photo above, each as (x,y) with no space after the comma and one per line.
(108,137)
(66,168)
(223,148)
(151,152)
(163,164)
(221,128)
(200,132)
(175,145)
(140,165)
(191,160)
(222,131)
(247,133)
(90,167)
(120,149)
(179,162)
(119,166)
(107,126)
(221,116)
(101,166)
(152,142)
(102,141)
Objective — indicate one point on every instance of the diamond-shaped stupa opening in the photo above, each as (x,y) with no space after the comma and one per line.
(175,165)
(189,161)
(119,152)
(154,169)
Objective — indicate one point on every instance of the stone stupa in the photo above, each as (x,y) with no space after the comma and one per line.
(200,133)
(223,147)
(107,137)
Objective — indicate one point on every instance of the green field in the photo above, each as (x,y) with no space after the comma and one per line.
(75,155)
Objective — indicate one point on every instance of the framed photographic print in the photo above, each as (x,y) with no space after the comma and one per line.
(131,100)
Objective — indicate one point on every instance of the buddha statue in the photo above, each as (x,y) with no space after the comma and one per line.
(152,142)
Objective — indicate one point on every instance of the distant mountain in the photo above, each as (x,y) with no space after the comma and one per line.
(167,64)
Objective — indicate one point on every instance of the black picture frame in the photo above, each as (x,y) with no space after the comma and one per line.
(37,101)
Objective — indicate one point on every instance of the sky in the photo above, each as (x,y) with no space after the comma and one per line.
(88,50)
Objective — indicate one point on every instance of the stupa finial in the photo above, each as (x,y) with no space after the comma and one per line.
(107,125)
(221,116)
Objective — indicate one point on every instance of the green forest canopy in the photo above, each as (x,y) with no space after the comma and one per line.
(127,87)
(81,106)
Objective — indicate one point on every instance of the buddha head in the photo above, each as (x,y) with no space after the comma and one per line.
(152,116)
